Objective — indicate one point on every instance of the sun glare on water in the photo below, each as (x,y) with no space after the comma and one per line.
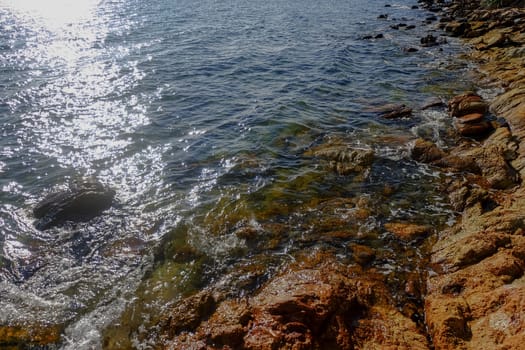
(54,14)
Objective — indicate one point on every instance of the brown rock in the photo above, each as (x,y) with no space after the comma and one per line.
(492,159)
(362,254)
(342,158)
(307,309)
(492,39)
(187,315)
(467,250)
(447,320)
(426,151)
(407,231)
(502,321)
(467,103)
(474,129)
(470,118)
(35,335)
(507,102)
(456,28)
(458,163)
(469,107)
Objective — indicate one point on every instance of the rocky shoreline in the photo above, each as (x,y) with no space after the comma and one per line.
(476,298)
(475,293)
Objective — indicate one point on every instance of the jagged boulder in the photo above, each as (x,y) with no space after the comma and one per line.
(321,308)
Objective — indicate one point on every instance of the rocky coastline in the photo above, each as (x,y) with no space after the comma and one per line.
(471,294)
(476,297)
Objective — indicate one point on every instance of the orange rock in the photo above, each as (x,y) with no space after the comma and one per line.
(35,335)
(407,231)
(470,118)
(474,129)
(426,151)
(362,254)
(467,103)
(319,308)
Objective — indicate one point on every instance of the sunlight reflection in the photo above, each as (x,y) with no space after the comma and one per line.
(54,14)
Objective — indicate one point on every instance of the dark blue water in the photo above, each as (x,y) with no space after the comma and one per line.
(200,115)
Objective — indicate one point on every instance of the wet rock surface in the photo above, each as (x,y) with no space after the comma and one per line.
(476,297)
(326,307)
(81,202)
(36,336)
(341,157)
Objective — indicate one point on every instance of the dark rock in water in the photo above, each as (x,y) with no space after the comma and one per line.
(81,202)
(382,16)
(395,26)
(388,5)
(415,7)
(429,40)
(456,28)
(410,49)
(362,254)
(397,112)
(370,37)
(431,18)
(411,26)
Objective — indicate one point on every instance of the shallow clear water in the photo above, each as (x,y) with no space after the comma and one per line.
(200,115)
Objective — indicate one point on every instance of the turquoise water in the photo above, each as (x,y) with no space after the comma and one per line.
(200,115)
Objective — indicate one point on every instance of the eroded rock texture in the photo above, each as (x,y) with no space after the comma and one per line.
(330,307)
(476,298)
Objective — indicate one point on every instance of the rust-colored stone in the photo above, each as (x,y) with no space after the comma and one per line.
(308,308)
(474,129)
(426,151)
(470,118)
(407,231)
(31,335)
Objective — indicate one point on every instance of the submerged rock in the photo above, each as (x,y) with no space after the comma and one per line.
(397,111)
(407,231)
(81,202)
(343,158)
(29,336)
(429,40)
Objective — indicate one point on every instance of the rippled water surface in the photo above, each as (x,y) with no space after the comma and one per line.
(204,116)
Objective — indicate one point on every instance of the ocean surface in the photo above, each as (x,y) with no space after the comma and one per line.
(202,115)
